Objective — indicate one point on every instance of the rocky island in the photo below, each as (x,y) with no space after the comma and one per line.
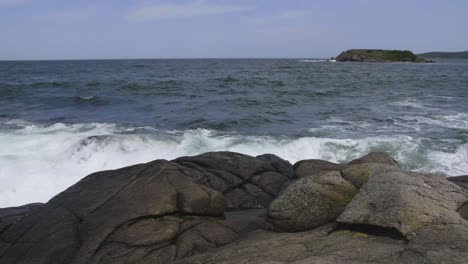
(379,55)
(224,207)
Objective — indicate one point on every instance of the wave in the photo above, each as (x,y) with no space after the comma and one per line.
(50,84)
(456,121)
(90,97)
(412,103)
(39,161)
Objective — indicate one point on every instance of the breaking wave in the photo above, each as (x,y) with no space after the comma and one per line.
(39,161)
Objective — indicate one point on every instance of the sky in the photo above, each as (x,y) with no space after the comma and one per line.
(113,29)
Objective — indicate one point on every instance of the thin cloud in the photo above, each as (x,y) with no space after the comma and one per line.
(190,9)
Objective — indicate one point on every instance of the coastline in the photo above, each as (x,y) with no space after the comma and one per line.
(177,212)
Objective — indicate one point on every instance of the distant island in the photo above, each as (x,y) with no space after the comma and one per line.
(379,55)
(445,55)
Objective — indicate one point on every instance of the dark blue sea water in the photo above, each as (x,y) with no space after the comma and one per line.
(61,120)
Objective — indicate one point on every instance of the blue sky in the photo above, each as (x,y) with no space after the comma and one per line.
(105,29)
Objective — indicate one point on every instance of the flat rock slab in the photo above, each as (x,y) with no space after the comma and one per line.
(405,202)
(321,245)
(329,245)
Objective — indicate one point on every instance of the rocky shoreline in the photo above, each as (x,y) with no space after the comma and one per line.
(224,207)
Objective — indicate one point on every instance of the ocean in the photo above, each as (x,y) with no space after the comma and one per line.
(62,120)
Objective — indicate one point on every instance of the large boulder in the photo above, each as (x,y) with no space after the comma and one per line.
(358,174)
(396,217)
(323,195)
(110,216)
(246,182)
(281,166)
(311,202)
(375,157)
(315,167)
(148,213)
(405,202)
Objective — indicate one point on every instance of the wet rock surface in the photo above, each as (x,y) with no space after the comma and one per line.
(224,207)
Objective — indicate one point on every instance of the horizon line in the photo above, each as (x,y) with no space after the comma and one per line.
(174,58)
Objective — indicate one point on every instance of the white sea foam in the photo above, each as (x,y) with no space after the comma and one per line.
(458,121)
(86,97)
(412,103)
(37,162)
(407,103)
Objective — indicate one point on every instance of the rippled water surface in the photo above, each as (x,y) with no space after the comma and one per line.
(61,120)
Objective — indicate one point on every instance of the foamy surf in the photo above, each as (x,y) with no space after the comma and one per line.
(39,161)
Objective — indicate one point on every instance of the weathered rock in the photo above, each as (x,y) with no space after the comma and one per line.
(311,202)
(358,174)
(245,181)
(315,167)
(107,212)
(174,212)
(148,213)
(12,215)
(322,245)
(459,180)
(405,202)
(438,244)
(282,166)
(329,245)
(375,157)
(463,211)
(248,220)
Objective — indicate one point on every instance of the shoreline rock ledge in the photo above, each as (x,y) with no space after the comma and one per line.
(225,207)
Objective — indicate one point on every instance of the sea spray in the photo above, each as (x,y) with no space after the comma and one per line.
(39,161)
